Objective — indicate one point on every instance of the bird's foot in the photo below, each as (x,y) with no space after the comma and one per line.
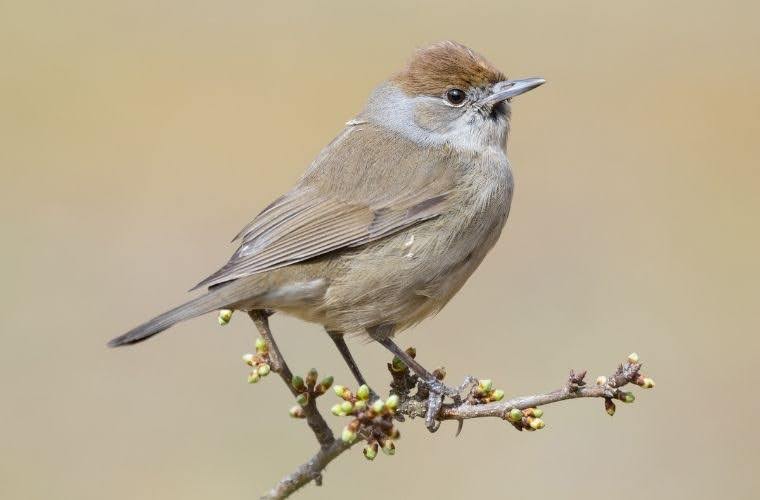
(437,392)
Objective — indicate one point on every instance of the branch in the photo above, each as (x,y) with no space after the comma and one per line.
(278,365)
(373,423)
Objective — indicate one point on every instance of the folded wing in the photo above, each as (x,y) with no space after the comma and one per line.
(364,186)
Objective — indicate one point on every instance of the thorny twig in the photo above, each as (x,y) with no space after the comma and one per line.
(373,421)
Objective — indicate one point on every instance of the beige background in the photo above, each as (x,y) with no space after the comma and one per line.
(137,137)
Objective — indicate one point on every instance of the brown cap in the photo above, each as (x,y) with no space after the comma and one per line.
(445,65)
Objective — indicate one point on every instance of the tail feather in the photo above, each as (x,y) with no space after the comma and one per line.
(188,310)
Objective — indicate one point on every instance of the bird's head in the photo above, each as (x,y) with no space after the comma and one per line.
(448,94)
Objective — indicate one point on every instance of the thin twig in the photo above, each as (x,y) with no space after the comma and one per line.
(607,388)
(316,422)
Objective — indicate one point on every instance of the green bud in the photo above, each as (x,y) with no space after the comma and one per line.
(348,436)
(326,383)
(360,405)
(378,406)
(397,365)
(609,406)
(392,402)
(264,370)
(515,415)
(253,377)
(633,358)
(225,315)
(337,410)
(303,399)
(627,397)
(296,412)
(363,392)
(497,395)
(311,377)
(261,345)
(297,383)
(536,424)
(389,447)
(347,407)
(485,385)
(248,358)
(538,412)
(370,451)
(339,390)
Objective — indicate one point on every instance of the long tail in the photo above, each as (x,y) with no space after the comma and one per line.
(188,310)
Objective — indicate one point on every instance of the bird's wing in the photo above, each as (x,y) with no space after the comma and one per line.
(367,184)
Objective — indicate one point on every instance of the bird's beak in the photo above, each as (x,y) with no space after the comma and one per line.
(511,88)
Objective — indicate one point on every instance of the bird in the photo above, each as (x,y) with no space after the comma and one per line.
(389,220)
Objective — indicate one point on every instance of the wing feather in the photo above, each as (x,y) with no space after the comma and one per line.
(357,191)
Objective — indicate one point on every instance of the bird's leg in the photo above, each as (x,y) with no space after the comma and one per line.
(340,343)
(437,390)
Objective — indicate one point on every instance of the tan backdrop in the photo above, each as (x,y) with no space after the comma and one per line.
(138,137)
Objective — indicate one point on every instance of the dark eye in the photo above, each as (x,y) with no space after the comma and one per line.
(455,96)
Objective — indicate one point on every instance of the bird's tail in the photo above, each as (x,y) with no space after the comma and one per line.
(188,310)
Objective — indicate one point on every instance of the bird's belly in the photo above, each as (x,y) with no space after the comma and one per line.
(405,278)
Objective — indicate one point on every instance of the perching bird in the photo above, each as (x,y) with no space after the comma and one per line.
(390,219)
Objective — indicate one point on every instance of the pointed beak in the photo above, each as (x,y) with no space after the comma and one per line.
(511,88)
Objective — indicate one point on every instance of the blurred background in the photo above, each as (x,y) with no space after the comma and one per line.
(136,138)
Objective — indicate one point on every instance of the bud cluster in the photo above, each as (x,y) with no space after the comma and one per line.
(484,393)
(308,389)
(259,361)
(528,419)
(372,420)
(626,373)
(403,380)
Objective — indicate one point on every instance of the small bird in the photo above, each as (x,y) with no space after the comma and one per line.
(390,219)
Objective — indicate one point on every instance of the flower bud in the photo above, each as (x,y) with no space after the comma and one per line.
(370,451)
(389,447)
(347,407)
(633,358)
(311,377)
(601,380)
(392,402)
(609,406)
(485,385)
(360,405)
(253,377)
(378,406)
(348,436)
(225,315)
(297,412)
(514,415)
(326,383)
(248,358)
(538,412)
(264,370)
(397,365)
(627,397)
(297,383)
(303,399)
(536,424)
(337,410)
(261,345)
(648,383)
(363,392)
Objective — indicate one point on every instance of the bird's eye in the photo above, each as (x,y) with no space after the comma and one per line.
(455,96)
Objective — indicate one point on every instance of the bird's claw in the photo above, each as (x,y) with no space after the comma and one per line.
(437,392)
